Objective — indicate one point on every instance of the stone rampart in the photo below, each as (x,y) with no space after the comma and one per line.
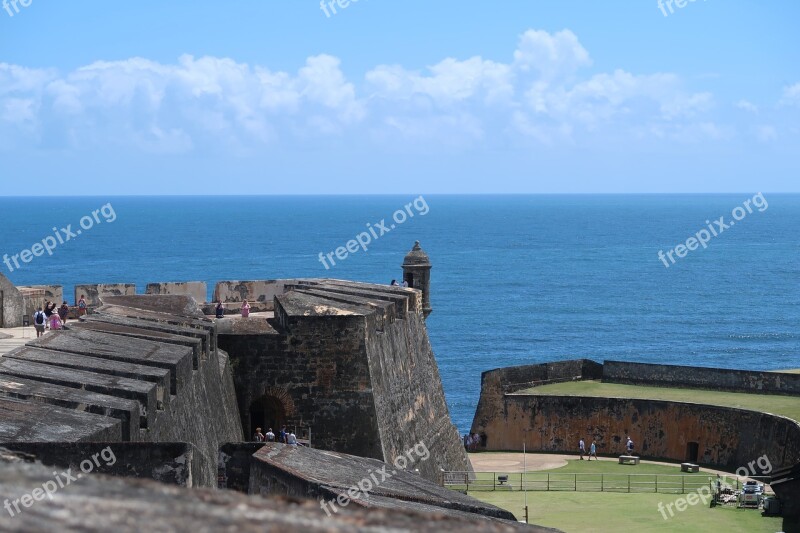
(12,305)
(701,378)
(259,294)
(196,289)
(94,293)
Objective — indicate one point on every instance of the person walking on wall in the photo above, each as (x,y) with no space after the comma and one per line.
(39,320)
(582,448)
(593,451)
(63,312)
(82,306)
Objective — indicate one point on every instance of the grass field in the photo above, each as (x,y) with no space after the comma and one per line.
(619,512)
(576,512)
(787,406)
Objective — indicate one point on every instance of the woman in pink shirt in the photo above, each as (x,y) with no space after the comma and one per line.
(55,322)
(245,309)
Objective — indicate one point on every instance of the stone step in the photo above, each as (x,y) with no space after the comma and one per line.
(177,359)
(142,391)
(77,399)
(159,376)
(25,421)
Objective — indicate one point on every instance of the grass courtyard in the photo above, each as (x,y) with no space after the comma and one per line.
(787,406)
(620,511)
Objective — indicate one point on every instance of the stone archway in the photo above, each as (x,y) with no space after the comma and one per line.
(270,410)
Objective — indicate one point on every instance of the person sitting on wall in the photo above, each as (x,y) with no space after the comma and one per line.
(394,283)
(245,309)
(220,310)
(258,437)
(291,439)
(270,436)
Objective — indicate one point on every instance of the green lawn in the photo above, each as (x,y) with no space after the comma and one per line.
(780,405)
(614,512)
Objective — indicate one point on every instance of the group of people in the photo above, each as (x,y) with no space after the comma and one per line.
(54,318)
(472,441)
(220,310)
(394,283)
(592,450)
(285,437)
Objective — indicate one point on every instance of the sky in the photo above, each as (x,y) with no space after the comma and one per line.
(389,97)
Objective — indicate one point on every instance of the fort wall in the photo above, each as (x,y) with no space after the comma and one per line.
(726,438)
(699,377)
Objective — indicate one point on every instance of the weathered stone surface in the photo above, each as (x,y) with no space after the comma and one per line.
(35,296)
(175,360)
(786,484)
(94,293)
(102,503)
(195,344)
(25,421)
(727,438)
(159,376)
(12,305)
(703,378)
(299,471)
(198,290)
(123,409)
(259,294)
(495,384)
(166,462)
(352,363)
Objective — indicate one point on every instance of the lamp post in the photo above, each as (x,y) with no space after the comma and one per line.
(524,470)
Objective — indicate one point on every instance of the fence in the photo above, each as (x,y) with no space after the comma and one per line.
(582,482)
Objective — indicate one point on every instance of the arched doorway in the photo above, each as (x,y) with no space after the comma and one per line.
(266,412)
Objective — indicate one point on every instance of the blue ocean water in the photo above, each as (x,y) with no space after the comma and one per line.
(515,279)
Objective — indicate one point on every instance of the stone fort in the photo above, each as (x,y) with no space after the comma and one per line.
(178,391)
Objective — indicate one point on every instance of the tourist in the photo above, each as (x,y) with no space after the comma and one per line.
(282,435)
(629,445)
(582,448)
(467,441)
(245,309)
(47,312)
(82,306)
(394,283)
(63,312)
(476,439)
(55,322)
(258,437)
(291,440)
(593,451)
(270,436)
(220,310)
(39,321)
(405,283)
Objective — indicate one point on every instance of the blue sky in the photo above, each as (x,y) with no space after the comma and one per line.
(275,97)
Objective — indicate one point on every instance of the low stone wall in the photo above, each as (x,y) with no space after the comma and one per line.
(167,462)
(95,292)
(196,289)
(701,378)
(259,294)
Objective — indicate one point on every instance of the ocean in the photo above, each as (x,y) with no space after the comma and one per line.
(515,280)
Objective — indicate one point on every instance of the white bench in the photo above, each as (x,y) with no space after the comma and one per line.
(690,467)
(628,460)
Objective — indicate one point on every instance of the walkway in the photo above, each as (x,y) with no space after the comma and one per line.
(11,338)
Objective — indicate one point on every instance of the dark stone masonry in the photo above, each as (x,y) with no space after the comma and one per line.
(173,394)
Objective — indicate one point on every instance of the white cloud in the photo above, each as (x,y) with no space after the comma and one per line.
(543,94)
(747,106)
(791,95)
